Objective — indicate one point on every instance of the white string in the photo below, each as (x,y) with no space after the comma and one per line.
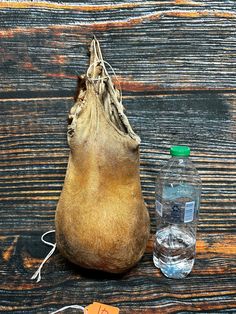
(37,274)
(95,79)
(68,307)
(105,77)
(114,73)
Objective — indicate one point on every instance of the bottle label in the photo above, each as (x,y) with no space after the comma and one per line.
(159,208)
(176,211)
(189,211)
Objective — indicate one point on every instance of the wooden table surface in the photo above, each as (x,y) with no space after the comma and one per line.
(176,62)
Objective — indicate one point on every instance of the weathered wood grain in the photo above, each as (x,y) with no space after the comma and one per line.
(34,153)
(33,161)
(152,45)
(142,290)
(165,52)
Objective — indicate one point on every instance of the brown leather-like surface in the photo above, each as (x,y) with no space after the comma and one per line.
(101,219)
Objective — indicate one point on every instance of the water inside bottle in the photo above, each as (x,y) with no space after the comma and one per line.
(174,251)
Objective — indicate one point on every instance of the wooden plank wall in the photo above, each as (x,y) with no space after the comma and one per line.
(175,61)
(169,45)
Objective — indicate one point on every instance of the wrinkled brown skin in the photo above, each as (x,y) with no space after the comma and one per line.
(101,220)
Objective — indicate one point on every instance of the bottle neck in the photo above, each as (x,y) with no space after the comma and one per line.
(180,158)
(181,161)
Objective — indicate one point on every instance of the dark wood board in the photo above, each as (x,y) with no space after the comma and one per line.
(176,63)
(33,164)
(152,45)
(35,151)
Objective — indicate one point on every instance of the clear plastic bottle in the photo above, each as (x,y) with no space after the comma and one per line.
(178,191)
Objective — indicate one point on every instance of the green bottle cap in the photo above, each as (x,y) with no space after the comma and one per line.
(180,151)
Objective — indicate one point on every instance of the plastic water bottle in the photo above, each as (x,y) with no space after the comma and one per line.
(178,192)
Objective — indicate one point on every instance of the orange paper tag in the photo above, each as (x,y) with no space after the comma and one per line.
(99,308)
